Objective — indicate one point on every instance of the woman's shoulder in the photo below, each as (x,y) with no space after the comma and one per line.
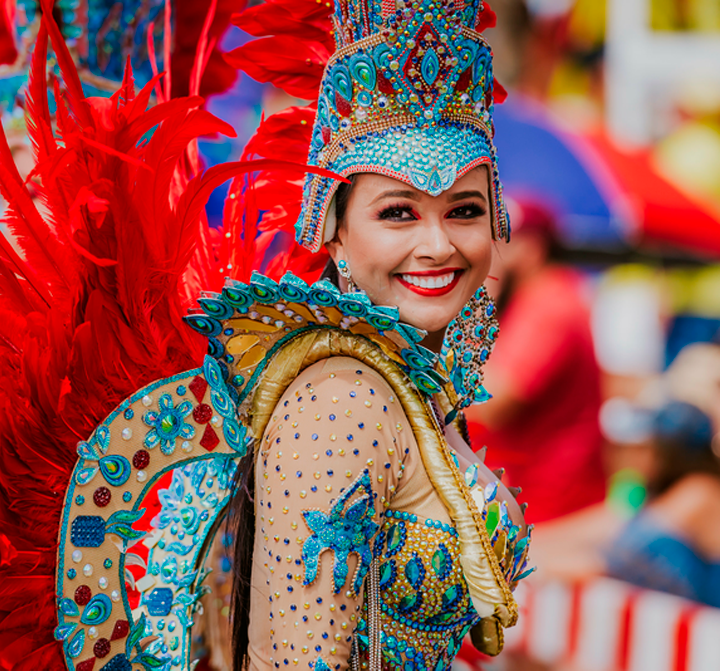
(347,377)
(348,403)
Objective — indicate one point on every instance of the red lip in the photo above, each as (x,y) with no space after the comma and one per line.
(441,291)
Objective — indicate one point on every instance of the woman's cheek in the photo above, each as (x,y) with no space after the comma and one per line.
(477,250)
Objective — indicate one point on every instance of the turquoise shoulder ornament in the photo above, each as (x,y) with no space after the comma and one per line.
(247,323)
(469,340)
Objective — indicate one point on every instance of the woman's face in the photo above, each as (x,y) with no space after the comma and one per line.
(427,255)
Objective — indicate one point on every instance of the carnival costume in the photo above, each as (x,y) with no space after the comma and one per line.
(375,546)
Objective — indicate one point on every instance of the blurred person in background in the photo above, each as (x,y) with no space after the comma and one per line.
(543,425)
(672,545)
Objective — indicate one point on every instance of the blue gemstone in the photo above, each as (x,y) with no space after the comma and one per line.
(87,531)
(159,601)
(97,611)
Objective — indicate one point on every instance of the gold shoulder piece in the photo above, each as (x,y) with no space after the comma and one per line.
(488,588)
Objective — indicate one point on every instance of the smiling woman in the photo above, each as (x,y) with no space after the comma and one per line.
(380,538)
(326,417)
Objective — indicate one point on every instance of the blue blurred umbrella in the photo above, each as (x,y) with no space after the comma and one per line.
(544,164)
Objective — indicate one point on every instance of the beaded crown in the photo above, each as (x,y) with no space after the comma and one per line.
(408,93)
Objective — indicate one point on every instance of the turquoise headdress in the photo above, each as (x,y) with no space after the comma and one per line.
(408,93)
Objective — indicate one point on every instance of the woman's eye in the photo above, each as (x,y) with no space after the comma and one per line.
(398,214)
(466,212)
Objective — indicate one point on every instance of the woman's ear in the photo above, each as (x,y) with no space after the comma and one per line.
(335,249)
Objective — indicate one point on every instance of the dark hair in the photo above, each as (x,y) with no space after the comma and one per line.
(683,435)
(342,199)
(241,525)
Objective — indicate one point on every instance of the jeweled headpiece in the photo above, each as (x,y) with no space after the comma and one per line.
(408,93)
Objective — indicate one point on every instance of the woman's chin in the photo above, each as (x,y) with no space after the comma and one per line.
(430,318)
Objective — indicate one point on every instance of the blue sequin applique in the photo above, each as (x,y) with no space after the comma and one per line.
(321,665)
(168,424)
(343,531)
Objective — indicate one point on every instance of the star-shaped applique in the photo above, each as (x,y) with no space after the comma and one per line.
(344,531)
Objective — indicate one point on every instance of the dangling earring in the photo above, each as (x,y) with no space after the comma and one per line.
(469,339)
(344,270)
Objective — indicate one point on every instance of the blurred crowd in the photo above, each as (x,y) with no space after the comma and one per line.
(606,377)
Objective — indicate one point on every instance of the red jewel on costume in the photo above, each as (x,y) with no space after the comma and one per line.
(141,459)
(102,497)
(83,594)
(101,648)
(202,413)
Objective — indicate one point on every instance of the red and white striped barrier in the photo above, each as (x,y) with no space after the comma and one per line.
(607,625)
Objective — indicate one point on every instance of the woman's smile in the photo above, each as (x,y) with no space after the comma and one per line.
(431,283)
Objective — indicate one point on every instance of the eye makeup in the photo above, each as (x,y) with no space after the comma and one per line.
(466,211)
(398,212)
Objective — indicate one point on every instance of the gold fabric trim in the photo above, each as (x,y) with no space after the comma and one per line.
(490,593)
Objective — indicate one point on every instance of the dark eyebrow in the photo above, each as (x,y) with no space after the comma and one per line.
(461,195)
(399,193)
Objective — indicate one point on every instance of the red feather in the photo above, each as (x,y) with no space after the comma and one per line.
(486,18)
(36,103)
(294,65)
(500,93)
(90,310)
(67,67)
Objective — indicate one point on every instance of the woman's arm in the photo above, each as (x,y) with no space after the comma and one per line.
(331,460)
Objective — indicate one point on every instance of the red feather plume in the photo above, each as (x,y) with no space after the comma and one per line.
(112,253)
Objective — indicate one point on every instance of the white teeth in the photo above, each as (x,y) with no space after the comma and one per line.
(429,282)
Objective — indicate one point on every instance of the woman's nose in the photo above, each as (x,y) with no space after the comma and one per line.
(434,242)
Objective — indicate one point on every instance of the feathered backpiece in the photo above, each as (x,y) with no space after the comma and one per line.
(109,248)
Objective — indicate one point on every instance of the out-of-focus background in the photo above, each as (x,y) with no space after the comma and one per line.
(606,378)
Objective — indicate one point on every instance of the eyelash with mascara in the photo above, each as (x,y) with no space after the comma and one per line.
(387,211)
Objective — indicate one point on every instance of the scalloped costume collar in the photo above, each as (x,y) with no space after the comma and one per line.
(247,322)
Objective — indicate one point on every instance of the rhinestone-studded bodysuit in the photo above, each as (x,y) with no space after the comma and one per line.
(425,609)
(340,474)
